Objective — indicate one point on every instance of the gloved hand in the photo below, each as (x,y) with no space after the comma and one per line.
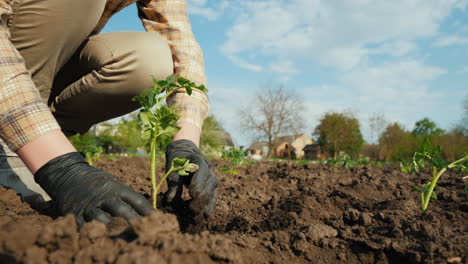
(87,192)
(202,183)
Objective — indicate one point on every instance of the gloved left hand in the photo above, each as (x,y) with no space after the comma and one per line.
(202,183)
(88,192)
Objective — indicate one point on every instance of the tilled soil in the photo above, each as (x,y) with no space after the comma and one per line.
(273,212)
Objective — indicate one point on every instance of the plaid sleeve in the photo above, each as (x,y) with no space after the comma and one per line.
(23,115)
(169,18)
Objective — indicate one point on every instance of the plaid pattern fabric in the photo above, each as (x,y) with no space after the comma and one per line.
(193,109)
(169,18)
(24,117)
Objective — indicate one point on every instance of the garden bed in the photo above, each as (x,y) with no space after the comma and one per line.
(273,212)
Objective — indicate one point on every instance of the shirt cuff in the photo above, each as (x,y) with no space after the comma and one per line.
(24,123)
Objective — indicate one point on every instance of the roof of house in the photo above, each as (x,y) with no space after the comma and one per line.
(289,139)
(258,145)
(311,147)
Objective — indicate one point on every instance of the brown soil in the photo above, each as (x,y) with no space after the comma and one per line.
(272,213)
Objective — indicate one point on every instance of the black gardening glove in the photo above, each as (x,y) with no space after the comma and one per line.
(202,183)
(88,192)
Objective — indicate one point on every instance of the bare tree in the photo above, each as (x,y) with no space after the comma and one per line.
(377,125)
(273,112)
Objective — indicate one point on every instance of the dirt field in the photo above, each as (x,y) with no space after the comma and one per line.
(271,213)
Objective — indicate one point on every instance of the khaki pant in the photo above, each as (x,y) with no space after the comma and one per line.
(83,79)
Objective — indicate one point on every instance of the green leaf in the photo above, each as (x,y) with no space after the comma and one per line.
(202,88)
(192,167)
(142,99)
(179,161)
(169,131)
(183,81)
(182,173)
(162,83)
(224,169)
(166,116)
(433,196)
(172,79)
(463,168)
(405,166)
(144,118)
(418,161)
(147,135)
(188,90)
(426,146)
(427,186)
(415,189)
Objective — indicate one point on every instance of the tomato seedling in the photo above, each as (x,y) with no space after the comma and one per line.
(234,157)
(157,119)
(439,166)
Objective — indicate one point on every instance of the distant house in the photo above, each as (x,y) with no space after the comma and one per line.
(291,146)
(312,152)
(259,149)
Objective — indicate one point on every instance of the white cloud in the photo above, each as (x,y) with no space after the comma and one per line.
(207,9)
(373,43)
(244,64)
(393,82)
(283,66)
(395,48)
(341,35)
(463,70)
(450,41)
(401,90)
(462,4)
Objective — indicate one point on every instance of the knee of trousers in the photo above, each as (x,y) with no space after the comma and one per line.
(130,62)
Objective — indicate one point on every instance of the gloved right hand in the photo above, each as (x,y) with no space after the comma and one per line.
(89,193)
(202,183)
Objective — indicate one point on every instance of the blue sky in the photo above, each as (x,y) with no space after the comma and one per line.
(406,59)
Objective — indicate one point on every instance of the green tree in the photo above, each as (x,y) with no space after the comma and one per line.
(427,128)
(396,144)
(106,137)
(83,143)
(454,144)
(209,136)
(339,132)
(129,134)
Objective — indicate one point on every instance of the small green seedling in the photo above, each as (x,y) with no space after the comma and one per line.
(345,161)
(302,162)
(234,157)
(342,160)
(406,167)
(93,154)
(434,156)
(158,119)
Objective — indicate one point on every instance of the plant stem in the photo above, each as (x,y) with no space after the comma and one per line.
(153,170)
(434,180)
(163,179)
(166,95)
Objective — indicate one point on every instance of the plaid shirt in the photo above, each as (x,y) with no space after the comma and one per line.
(24,117)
